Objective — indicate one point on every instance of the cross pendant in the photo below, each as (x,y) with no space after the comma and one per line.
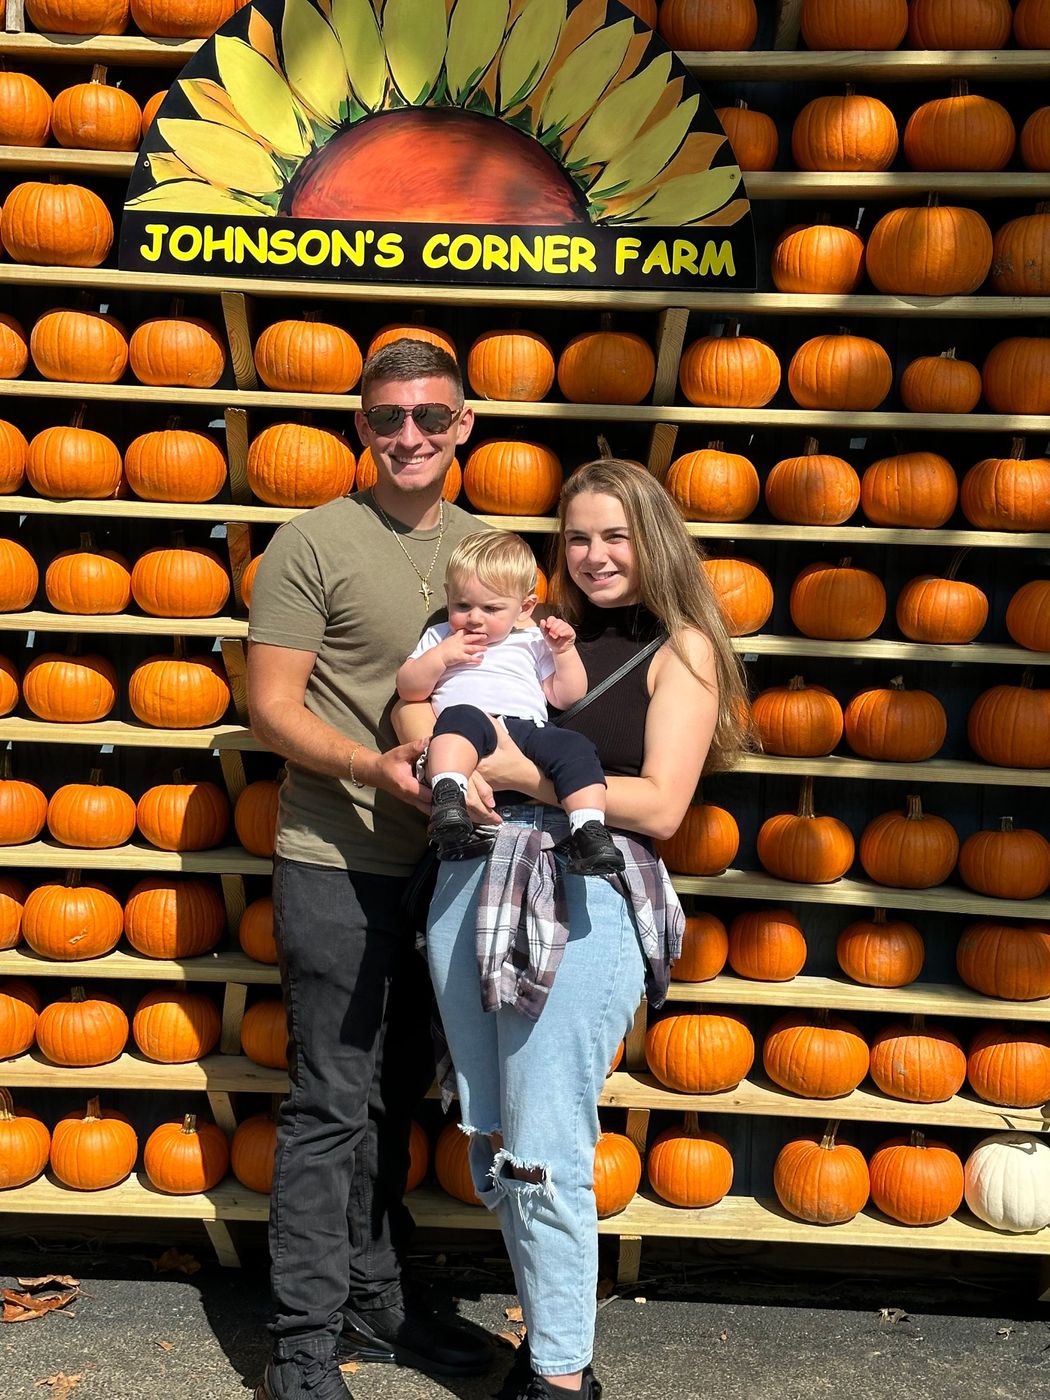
(425,593)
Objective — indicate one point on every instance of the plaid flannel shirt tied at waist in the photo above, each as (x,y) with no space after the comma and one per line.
(523,921)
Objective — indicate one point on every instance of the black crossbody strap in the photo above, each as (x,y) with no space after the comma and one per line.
(617,675)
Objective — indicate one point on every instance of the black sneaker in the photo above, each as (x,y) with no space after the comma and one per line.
(303,1377)
(592,851)
(412,1337)
(539,1388)
(450,825)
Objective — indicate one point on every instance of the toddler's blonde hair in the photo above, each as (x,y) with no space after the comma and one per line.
(501,561)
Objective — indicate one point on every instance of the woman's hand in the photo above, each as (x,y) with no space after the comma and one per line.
(508,768)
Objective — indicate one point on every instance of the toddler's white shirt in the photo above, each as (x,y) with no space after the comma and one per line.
(508,680)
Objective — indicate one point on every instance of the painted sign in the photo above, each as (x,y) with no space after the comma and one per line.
(481,142)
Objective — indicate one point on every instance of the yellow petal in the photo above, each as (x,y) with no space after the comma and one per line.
(313,61)
(415,33)
(262,38)
(585,75)
(647,156)
(213,104)
(357,29)
(196,197)
(225,158)
(689,198)
(731,214)
(529,48)
(261,97)
(474,38)
(164,166)
(618,118)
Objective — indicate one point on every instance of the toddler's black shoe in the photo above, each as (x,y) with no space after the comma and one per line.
(450,824)
(592,851)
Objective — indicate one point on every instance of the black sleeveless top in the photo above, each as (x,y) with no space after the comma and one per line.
(615,721)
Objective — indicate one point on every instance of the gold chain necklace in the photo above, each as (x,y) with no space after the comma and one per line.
(425,591)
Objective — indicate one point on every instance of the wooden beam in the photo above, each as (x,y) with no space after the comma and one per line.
(629,1260)
(235,659)
(239,548)
(237,454)
(233,1004)
(222,1243)
(236,312)
(14,16)
(789,24)
(234,898)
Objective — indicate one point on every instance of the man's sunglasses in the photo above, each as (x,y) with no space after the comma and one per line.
(387,419)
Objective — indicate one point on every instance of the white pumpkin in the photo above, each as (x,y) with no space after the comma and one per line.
(1007,1182)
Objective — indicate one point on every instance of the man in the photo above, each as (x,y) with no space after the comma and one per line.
(341,597)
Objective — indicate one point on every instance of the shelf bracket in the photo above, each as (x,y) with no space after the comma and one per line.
(236,312)
(234,898)
(239,546)
(235,660)
(634,1055)
(670,338)
(222,1243)
(236,420)
(233,1003)
(789,24)
(14,17)
(221,1105)
(629,1259)
(234,776)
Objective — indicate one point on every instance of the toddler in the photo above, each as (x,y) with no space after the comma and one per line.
(482,664)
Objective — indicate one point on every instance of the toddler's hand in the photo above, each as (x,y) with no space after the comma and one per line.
(560,636)
(463,648)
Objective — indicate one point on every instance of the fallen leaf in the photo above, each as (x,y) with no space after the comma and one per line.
(723,1336)
(348,1368)
(641,1300)
(606,1288)
(512,1339)
(893,1314)
(165,1346)
(513,1314)
(27,1307)
(171,1261)
(60,1383)
(1005,1331)
(66,1281)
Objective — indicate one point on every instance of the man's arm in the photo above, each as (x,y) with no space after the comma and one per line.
(277,681)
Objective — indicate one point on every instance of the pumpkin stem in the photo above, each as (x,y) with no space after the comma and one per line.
(918,1138)
(77,994)
(822,1017)
(77,421)
(845,563)
(850,90)
(1017,448)
(96,777)
(897,683)
(173,422)
(189,1123)
(1006,823)
(87,542)
(953,567)
(180,648)
(1028,679)
(827,1142)
(5,766)
(741,104)
(948,354)
(933,199)
(94,1108)
(7,1105)
(178,539)
(98,73)
(178,306)
(960,87)
(604,450)
(805,798)
(879,916)
(72,879)
(796,683)
(312,315)
(177,775)
(605,321)
(692,1124)
(716,446)
(918,1022)
(811,448)
(914,812)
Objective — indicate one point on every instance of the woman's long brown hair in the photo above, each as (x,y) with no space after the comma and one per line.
(671,583)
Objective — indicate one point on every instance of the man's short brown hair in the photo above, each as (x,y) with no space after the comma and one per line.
(407,359)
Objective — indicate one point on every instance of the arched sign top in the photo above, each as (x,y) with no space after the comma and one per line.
(499,142)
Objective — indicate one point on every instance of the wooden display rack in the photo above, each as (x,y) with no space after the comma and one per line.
(632,1089)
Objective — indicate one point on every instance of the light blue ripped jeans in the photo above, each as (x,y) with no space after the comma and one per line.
(537,1083)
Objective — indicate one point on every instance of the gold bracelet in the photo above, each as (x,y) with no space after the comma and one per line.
(355,782)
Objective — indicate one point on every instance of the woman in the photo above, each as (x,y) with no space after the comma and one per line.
(530,1069)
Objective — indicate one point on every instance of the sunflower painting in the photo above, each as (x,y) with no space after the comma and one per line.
(408,138)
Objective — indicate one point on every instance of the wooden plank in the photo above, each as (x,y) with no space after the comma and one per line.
(237,452)
(124,735)
(229,1074)
(35,162)
(638,1128)
(125,965)
(14,16)
(555,298)
(235,659)
(922,998)
(232,765)
(235,312)
(980,653)
(233,1004)
(234,898)
(547,525)
(757,1096)
(129,49)
(239,547)
(662,439)
(138,1197)
(670,337)
(629,1260)
(124,625)
(221,1106)
(634,1044)
(222,1243)
(48,855)
(899,66)
(789,24)
(865,894)
(937,770)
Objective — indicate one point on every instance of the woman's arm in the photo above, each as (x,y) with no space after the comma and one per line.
(678,728)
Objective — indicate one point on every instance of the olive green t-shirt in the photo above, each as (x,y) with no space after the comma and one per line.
(335,581)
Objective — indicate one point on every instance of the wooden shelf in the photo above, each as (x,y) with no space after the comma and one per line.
(49,855)
(132,49)
(920,998)
(125,965)
(101,280)
(548,410)
(761,184)
(758,1096)
(863,894)
(131,736)
(942,770)
(124,624)
(227,1074)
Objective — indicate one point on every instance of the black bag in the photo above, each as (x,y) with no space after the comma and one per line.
(419,891)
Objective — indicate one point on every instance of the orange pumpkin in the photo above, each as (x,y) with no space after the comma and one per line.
(57,225)
(182,816)
(881,952)
(690,1166)
(88,580)
(606,366)
(837,601)
(65,463)
(82,347)
(19,1013)
(933,251)
(918,1063)
(910,850)
(712,484)
(821,1181)
(19,577)
(1008,493)
(175,464)
(174,1027)
(978,24)
(93,815)
(512,365)
(170,918)
(744,593)
(1009,725)
(12,898)
(1016,375)
(1009,1065)
(1009,863)
(181,19)
(700,1053)
(23,807)
(93,1149)
(1021,255)
(894,725)
(705,843)
(1035,140)
(797,720)
(1032,25)
(25,1144)
(801,846)
(916,490)
(1028,615)
(940,384)
(698,25)
(307,356)
(13,452)
(819,259)
(752,135)
(252,1152)
(295,464)
(860,24)
(505,477)
(10,685)
(916,1180)
(182,351)
(184,1158)
(179,691)
(395,331)
(814,489)
(82,1030)
(960,132)
(729,371)
(452,1165)
(180,580)
(255,816)
(70,921)
(944,611)
(767,945)
(849,133)
(255,931)
(78,16)
(96,116)
(25,111)
(841,372)
(248,578)
(617,1173)
(1011,961)
(705,947)
(67,689)
(14,347)
(151,108)
(818,1056)
(264,1033)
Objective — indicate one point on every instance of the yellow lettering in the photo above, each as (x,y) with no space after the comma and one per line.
(243,243)
(314,247)
(186,243)
(627,250)
(657,258)
(581,255)
(494,252)
(520,252)
(389,251)
(431,256)
(683,256)
(465,252)
(214,244)
(152,250)
(718,260)
(556,250)
(342,248)
(282,247)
